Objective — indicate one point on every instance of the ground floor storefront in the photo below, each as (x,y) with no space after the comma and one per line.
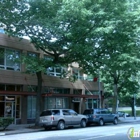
(23,107)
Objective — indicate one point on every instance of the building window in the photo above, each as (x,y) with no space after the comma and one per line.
(92,103)
(31,62)
(77,74)
(52,102)
(32,88)
(77,91)
(56,90)
(87,92)
(31,107)
(9,59)
(56,71)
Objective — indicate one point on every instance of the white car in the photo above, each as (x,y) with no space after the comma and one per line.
(61,118)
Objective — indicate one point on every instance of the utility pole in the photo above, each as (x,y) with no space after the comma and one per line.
(99,88)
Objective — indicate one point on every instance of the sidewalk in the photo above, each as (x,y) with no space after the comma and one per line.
(28,128)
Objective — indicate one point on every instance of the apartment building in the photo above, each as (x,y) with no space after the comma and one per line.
(18,89)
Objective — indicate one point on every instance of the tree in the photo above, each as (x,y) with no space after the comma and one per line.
(117,46)
(57,28)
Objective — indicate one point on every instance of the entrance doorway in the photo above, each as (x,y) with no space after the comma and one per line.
(9,109)
(76,107)
(1,109)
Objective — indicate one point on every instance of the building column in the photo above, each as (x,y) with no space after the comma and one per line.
(23,109)
(70,99)
(82,103)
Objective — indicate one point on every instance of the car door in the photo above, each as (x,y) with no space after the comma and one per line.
(110,116)
(67,117)
(104,115)
(75,117)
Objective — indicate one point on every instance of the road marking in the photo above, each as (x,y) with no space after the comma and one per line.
(91,138)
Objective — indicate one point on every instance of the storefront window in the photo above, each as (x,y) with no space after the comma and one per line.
(51,103)
(10,106)
(92,103)
(31,107)
(2,87)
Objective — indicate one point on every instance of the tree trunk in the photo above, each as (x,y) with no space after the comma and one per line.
(115,100)
(132,106)
(39,101)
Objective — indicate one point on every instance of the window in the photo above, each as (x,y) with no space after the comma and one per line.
(77,91)
(57,90)
(103,112)
(46,113)
(72,112)
(59,102)
(52,102)
(9,59)
(77,74)
(98,112)
(66,112)
(55,112)
(32,63)
(32,88)
(56,71)
(31,108)
(91,92)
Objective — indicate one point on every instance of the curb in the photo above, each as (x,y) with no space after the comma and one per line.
(2,134)
(20,132)
(127,121)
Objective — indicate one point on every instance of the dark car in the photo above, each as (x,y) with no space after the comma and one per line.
(100,116)
(61,118)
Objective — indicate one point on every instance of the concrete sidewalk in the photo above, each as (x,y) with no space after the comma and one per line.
(28,128)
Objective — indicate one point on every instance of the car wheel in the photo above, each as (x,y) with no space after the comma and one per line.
(101,122)
(60,125)
(83,123)
(115,121)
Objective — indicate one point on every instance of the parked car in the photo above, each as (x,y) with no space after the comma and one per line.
(61,118)
(123,114)
(120,113)
(100,116)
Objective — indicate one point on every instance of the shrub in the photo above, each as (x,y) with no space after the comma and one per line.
(5,122)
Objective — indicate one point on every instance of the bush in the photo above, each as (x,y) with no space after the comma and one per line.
(5,122)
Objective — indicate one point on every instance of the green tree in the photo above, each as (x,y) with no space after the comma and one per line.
(117,46)
(58,28)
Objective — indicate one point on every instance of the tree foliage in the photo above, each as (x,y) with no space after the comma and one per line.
(117,47)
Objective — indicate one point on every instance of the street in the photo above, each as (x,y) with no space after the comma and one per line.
(107,132)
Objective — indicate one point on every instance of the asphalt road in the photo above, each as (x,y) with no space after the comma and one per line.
(107,132)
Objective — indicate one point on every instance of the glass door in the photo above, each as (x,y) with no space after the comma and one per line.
(9,108)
